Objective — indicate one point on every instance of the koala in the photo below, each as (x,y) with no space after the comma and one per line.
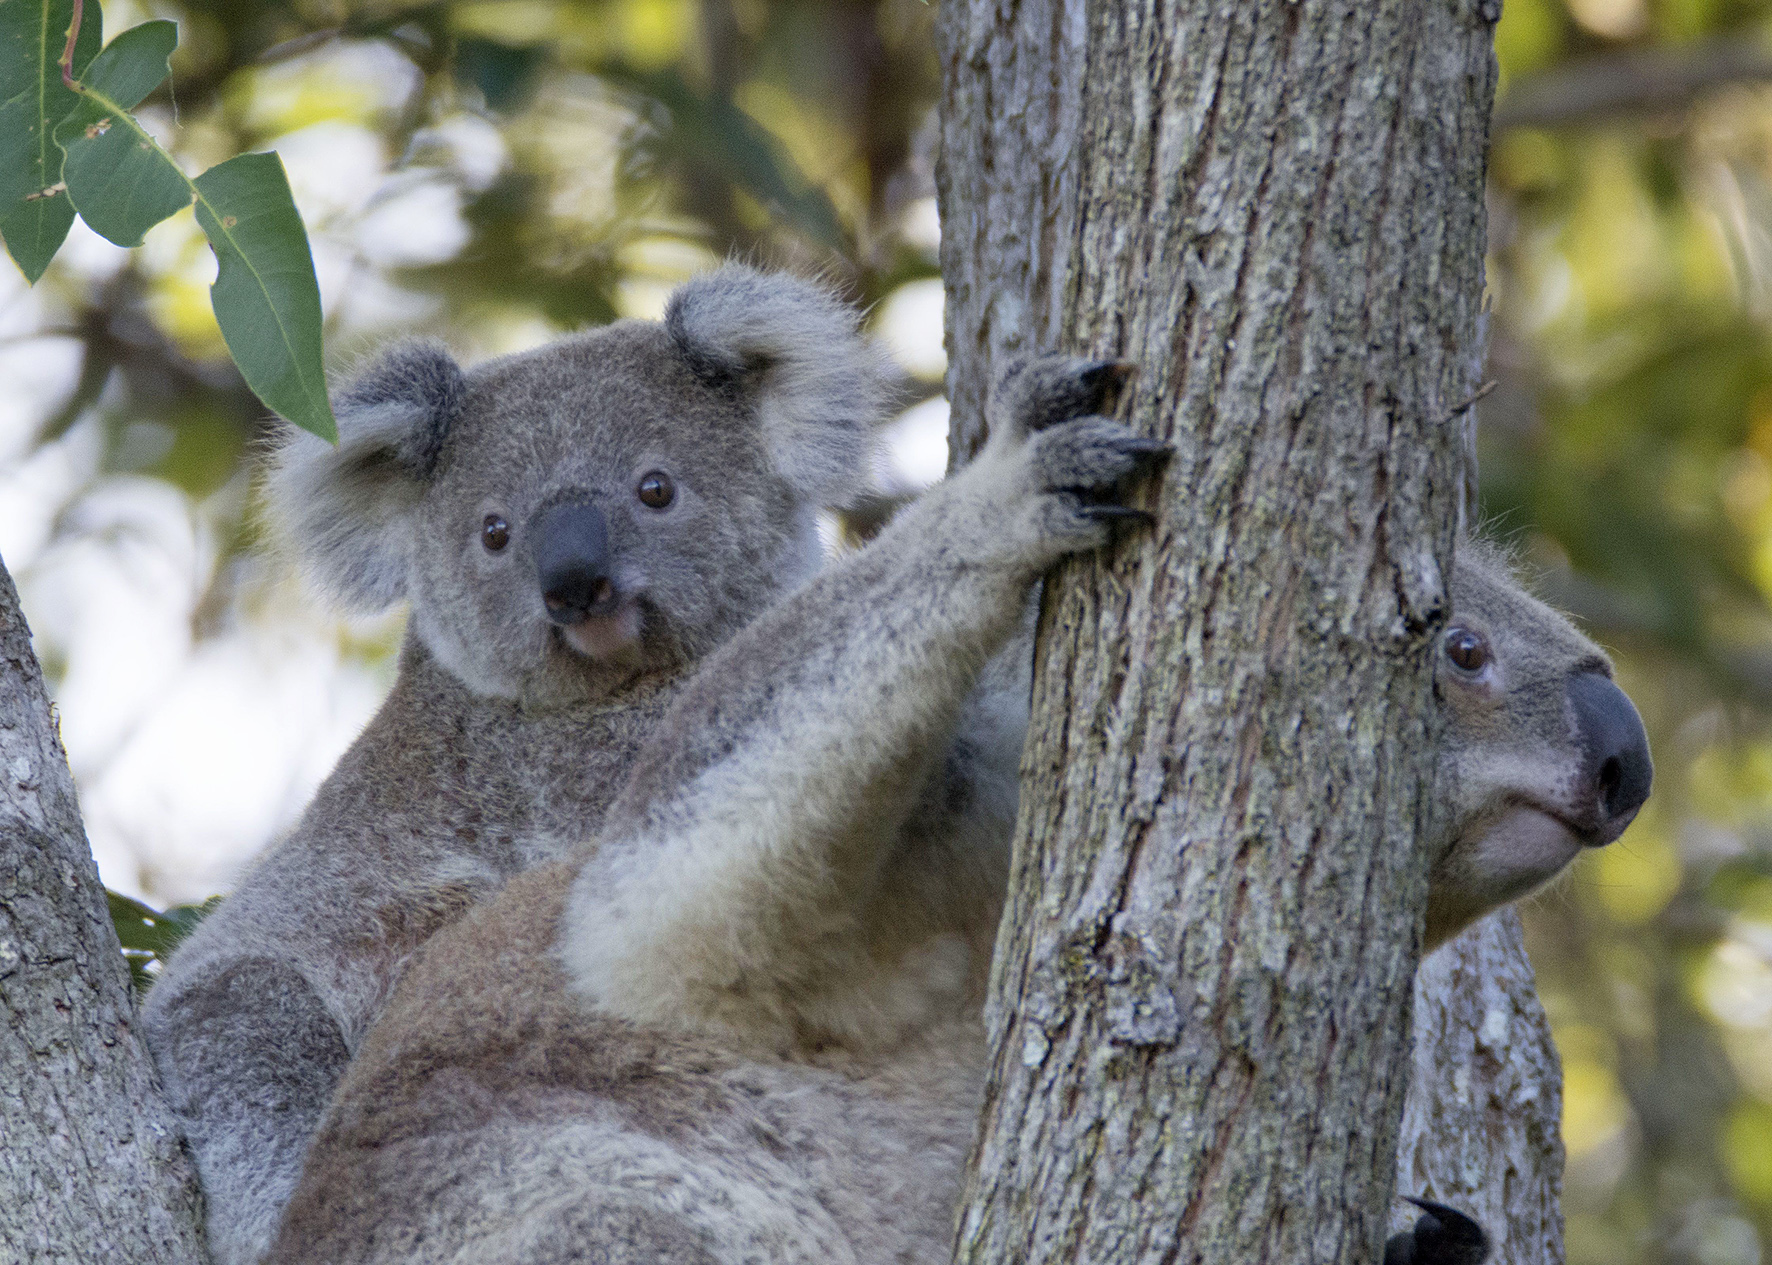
(1543,755)
(572,528)
(744,1022)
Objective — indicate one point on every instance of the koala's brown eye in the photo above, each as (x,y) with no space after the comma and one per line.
(1467,650)
(495,533)
(656,490)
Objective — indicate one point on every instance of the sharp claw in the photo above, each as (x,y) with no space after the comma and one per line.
(1453,1236)
(1114,372)
(1150,449)
(1121,513)
(1105,379)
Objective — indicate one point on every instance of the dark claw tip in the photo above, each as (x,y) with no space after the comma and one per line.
(1105,379)
(1119,513)
(1112,372)
(1451,1216)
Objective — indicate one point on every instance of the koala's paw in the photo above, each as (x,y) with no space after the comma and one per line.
(1441,1236)
(1036,395)
(1078,469)
(1066,465)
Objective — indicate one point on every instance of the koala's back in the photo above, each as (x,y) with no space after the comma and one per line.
(491,1118)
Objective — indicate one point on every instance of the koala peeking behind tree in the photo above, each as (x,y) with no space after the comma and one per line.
(744,1023)
(572,527)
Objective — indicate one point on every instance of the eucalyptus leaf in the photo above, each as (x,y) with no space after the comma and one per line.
(266,299)
(118,178)
(35,213)
(148,935)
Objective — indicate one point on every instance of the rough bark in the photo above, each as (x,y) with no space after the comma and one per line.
(1275,209)
(1482,1128)
(91,1167)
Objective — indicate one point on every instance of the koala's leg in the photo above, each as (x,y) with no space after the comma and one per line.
(249,1058)
(741,881)
(950,863)
(254,1018)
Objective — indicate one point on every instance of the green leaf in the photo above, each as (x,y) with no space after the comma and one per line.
(132,65)
(120,181)
(265,297)
(149,935)
(33,221)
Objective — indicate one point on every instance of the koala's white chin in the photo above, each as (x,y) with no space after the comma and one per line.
(606,638)
(1525,847)
(1499,859)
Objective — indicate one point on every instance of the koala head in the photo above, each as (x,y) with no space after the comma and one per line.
(620,500)
(1542,755)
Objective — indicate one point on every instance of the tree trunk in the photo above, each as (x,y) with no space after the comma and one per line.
(91,1165)
(1276,210)
(1482,1128)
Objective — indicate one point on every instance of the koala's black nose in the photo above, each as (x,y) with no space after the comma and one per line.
(1615,750)
(572,561)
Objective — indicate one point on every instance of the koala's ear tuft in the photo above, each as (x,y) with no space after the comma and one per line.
(419,382)
(796,350)
(348,510)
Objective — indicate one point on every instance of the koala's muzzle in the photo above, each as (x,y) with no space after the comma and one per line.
(1615,766)
(572,563)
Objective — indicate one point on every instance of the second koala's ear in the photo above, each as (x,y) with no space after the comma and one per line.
(796,350)
(348,510)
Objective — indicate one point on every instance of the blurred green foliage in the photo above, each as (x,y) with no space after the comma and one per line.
(588,153)
(1628,450)
(640,139)
(567,161)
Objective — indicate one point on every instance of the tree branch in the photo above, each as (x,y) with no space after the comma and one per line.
(1644,81)
(1203,974)
(92,1167)
(1481,1130)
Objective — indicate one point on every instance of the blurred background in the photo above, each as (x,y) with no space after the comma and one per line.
(500,171)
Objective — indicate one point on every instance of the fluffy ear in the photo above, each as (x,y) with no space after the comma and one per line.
(347,510)
(796,350)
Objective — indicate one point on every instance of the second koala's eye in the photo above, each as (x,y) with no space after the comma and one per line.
(655,489)
(495,533)
(1467,650)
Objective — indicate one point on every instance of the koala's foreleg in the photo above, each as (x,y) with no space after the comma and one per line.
(742,880)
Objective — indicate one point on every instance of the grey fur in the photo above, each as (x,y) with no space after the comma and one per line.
(505,736)
(1511,761)
(745,1024)
(352,507)
(774,335)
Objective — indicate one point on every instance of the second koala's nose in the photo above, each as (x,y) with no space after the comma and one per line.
(572,561)
(1615,749)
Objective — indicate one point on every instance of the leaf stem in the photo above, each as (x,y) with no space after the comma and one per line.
(67,58)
